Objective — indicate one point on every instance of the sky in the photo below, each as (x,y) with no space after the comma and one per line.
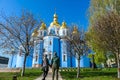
(70,11)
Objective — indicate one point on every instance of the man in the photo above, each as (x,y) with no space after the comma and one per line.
(45,66)
(55,66)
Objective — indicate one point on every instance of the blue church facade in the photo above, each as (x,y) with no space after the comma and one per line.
(47,41)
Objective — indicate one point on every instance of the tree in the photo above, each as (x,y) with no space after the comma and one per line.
(99,7)
(107,9)
(15,31)
(107,34)
(77,44)
(99,58)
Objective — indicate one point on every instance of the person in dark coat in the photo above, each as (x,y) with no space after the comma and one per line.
(55,66)
(45,66)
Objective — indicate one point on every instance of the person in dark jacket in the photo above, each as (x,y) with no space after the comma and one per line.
(55,66)
(45,66)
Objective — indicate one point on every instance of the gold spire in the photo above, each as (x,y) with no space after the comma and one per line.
(35,33)
(43,26)
(63,25)
(55,21)
(75,30)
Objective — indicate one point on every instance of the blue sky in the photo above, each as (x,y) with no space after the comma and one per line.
(71,11)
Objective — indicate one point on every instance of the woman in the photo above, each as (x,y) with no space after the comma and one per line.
(45,66)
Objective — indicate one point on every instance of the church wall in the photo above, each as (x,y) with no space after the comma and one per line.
(29,59)
(12,61)
(51,45)
(56,46)
(64,53)
(20,59)
(69,62)
(38,53)
(73,59)
(85,61)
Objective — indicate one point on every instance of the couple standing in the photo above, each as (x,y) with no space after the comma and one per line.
(54,64)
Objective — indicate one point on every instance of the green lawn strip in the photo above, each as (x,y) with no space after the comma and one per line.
(30,74)
(89,74)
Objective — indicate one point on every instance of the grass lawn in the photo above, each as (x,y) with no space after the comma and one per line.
(89,74)
(30,74)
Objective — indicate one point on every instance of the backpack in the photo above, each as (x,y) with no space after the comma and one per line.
(56,62)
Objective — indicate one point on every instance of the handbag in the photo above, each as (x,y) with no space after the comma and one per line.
(44,68)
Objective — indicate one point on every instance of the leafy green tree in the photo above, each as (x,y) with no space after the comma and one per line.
(99,57)
(104,28)
(106,35)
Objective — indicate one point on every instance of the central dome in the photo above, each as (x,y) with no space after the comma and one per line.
(55,21)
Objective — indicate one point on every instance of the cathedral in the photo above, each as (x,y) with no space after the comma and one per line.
(47,41)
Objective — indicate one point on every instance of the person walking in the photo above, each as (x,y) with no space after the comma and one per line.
(55,66)
(45,66)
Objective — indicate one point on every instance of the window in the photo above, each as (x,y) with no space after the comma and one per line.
(36,57)
(64,57)
(63,32)
(57,32)
(50,56)
(41,33)
(50,42)
(43,49)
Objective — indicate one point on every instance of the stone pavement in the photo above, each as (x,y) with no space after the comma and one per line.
(9,70)
(49,76)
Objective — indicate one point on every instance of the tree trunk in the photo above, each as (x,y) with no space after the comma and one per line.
(93,62)
(78,69)
(118,69)
(23,68)
(118,62)
(115,56)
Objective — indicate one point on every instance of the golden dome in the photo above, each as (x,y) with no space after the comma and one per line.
(55,21)
(43,26)
(35,33)
(63,25)
(55,15)
(75,30)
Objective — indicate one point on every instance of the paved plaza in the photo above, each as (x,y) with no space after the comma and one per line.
(49,76)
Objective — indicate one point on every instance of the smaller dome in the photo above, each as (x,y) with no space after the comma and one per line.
(63,25)
(75,30)
(35,33)
(43,26)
